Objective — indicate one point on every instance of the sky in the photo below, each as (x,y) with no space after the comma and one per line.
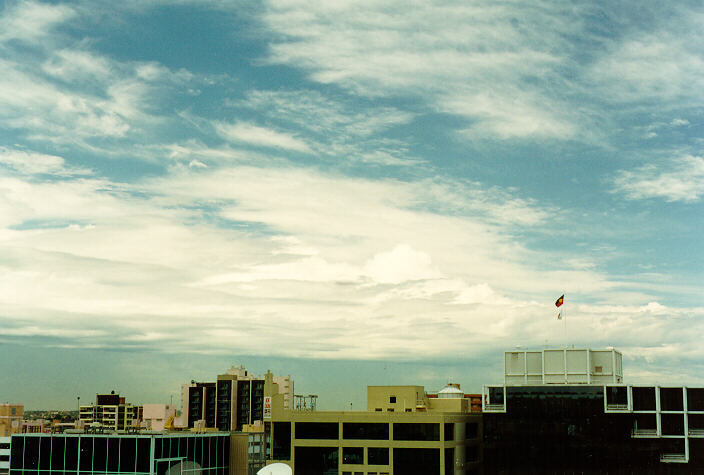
(350,192)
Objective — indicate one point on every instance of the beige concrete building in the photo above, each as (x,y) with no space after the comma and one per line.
(111,412)
(403,432)
(11,416)
(234,400)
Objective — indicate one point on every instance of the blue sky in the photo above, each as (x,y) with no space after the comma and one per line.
(384,192)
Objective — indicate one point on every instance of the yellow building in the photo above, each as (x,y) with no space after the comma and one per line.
(11,416)
(403,432)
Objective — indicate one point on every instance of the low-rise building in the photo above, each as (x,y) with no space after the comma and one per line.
(402,432)
(169,453)
(111,411)
(11,416)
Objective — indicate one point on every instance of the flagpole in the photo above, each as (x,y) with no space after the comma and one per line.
(564,323)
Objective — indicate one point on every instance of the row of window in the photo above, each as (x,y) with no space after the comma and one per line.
(419,431)
(115,454)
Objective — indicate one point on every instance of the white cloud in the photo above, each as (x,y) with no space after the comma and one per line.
(243,132)
(682,181)
(31,162)
(478,61)
(29,21)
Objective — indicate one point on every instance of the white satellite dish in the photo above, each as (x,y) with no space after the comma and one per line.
(276,469)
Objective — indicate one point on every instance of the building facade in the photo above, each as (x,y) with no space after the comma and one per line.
(11,416)
(234,400)
(568,410)
(162,454)
(111,412)
(401,433)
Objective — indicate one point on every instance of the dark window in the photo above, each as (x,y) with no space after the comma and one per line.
(128,454)
(353,455)
(416,461)
(317,430)
(643,399)
(191,445)
(198,458)
(71,460)
(471,453)
(44,453)
(449,431)
(392,399)
(471,430)
(16,452)
(672,424)
(144,447)
(365,430)
(4,446)
(617,396)
(416,431)
(31,452)
(317,461)
(282,441)
(57,453)
(645,422)
(86,455)
(100,454)
(4,458)
(695,399)
(213,460)
(377,456)
(696,421)
(671,399)
(496,395)
(450,461)
(182,449)
(113,454)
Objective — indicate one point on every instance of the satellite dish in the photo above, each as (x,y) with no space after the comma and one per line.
(276,469)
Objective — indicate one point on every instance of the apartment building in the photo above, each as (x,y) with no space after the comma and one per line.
(234,400)
(111,412)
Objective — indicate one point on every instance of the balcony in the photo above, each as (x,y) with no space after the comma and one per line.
(674,458)
(644,433)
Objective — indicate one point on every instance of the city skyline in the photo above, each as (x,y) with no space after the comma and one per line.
(375,190)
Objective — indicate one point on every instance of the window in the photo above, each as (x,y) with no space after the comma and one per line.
(416,431)
(471,453)
(449,461)
(365,431)
(282,441)
(353,455)
(449,432)
(317,430)
(471,430)
(377,456)
(414,460)
(392,400)
(378,409)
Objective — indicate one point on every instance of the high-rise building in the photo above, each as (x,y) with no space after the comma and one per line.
(234,400)
(568,411)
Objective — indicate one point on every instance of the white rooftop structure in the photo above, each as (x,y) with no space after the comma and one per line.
(451,391)
(563,366)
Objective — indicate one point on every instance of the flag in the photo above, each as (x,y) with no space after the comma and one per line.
(559,315)
(560,301)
